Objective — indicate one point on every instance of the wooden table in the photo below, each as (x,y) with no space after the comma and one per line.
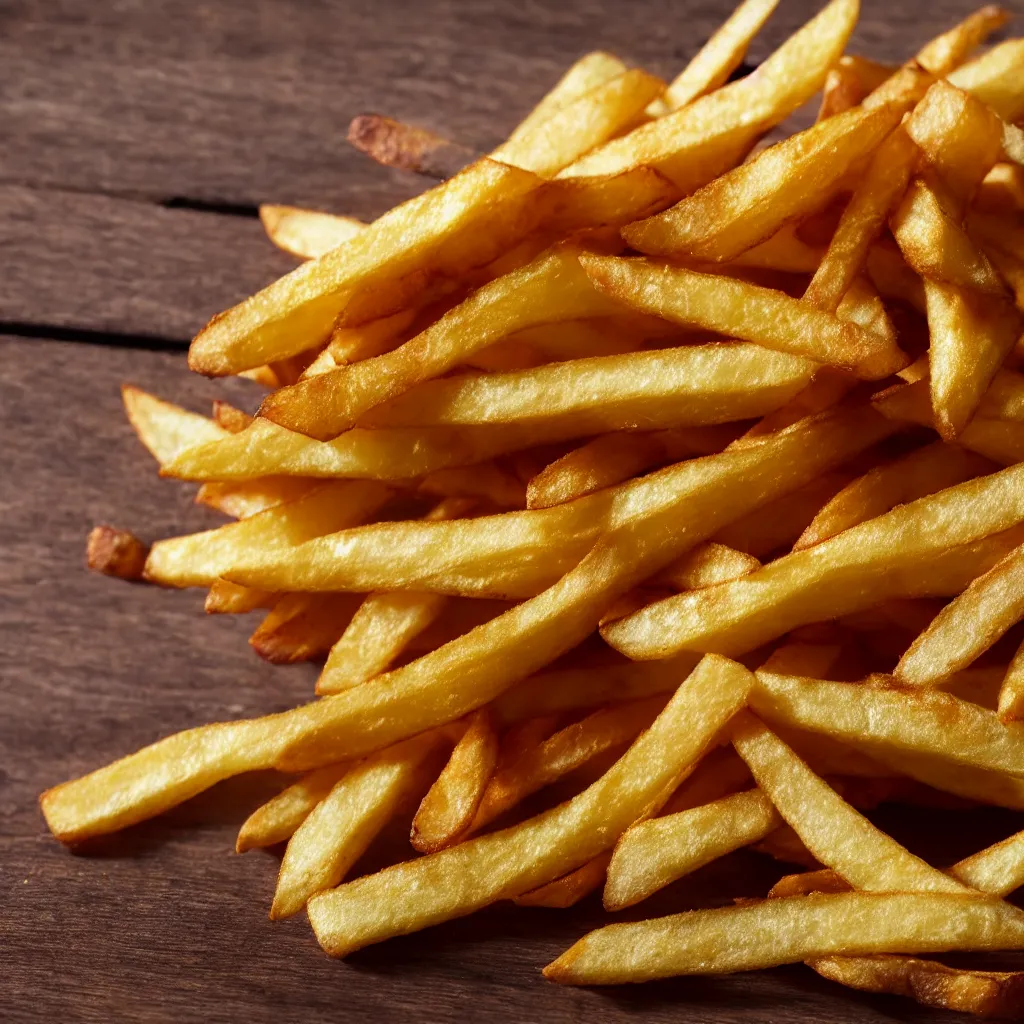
(137,140)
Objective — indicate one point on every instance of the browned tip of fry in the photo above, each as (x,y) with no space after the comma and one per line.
(115,553)
(396,144)
(229,417)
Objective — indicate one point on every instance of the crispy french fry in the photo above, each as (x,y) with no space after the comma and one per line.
(829,386)
(243,499)
(230,417)
(836,834)
(962,539)
(225,598)
(921,472)
(673,511)
(338,830)
(971,336)
(165,429)
(546,145)
(115,553)
(937,247)
(761,315)
(506,864)
(778,931)
(693,145)
(654,853)
(914,721)
(968,626)
(562,753)
(707,565)
(463,223)
(947,52)
(277,819)
(302,627)
(198,559)
(1011,693)
(446,813)
(1002,190)
(307,233)
(849,82)
(568,890)
(781,184)
(720,55)
(801,659)
(996,79)
(407,147)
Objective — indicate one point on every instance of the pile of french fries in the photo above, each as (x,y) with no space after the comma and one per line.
(639,459)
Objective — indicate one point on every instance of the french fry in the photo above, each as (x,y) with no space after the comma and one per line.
(654,853)
(302,627)
(849,82)
(568,890)
(947,52)
(937,247)
(277,819)
(198,559)
(900,720)
(720,55)
(461,224)
(825,581)
(165,429)
(225,598)
(907,478)
(971,336)
(506,864)
(750,312)
(706,565)
(801,659)
(115,553)
(562,753)
(693,385)
(446,813)
(338,830)
(307,233)
(407,147)
(243,499)
(693,145)
(1002,190)
(231,418)
(996,79)
(968,626)
(576,127)
(1011,693)
(836,834)
(749,204)
(778,931)
(612,458)
(828,387)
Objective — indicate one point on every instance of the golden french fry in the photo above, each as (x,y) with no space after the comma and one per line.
(1011,693)
(947,52)
(781,184)
(779,931)
(670,513)
(892,277)
(996,78)
(962,539)
(612,458)
(562,753)
(836,834)
(548,144)
(829,386)
(914,721)
(165,429)
(720,55)
(506,864)
(277,819)
(568,890)
(968,626)
(231,418)
(307,233)
(693,145)
(338,830)
(115,553)
(460,224)
(823,880)
(225,598)
(706,565)
(198,559)
(801,659)
(1002,190)
(396,144)
(302,627)
(961,138)
(971,336)
(654,853)
(243,499)
(937,247)
(914,475)
(446,813)
(747,311)
(849,82)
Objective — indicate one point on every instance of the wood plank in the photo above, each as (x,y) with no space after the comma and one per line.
(163,922)
(103,264)
(160,99)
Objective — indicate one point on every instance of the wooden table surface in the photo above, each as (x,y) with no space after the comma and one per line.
(137,138)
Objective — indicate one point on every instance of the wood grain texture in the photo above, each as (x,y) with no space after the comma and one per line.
(106,109)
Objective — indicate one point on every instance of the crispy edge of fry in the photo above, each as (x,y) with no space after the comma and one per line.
(114,552)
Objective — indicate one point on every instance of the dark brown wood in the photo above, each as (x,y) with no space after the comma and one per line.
(105,111)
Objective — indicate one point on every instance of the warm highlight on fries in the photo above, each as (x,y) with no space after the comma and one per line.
(550,444)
